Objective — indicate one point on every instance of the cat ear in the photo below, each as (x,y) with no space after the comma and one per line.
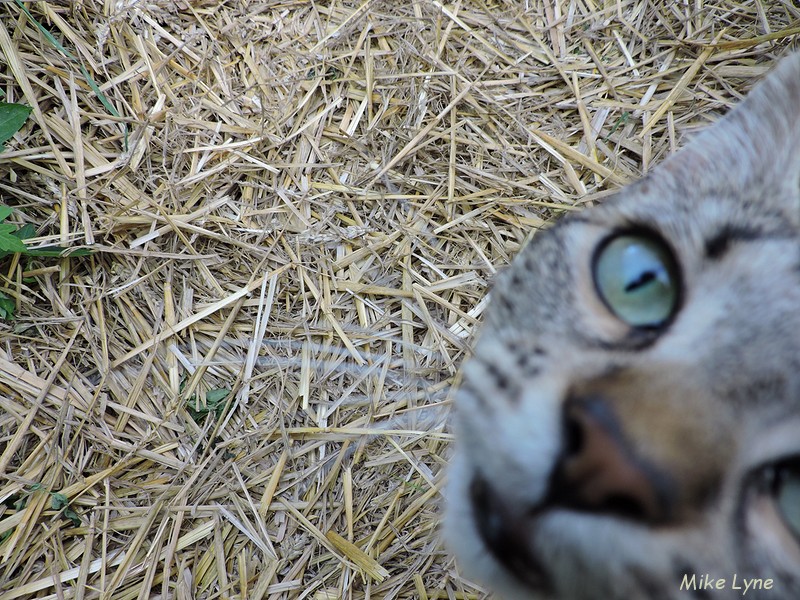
(756,147)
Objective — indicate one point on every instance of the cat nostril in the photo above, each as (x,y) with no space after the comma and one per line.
(504,532)
(599,472)
(573,436)
(624,505)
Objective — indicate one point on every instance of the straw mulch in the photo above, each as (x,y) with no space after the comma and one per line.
(295,211)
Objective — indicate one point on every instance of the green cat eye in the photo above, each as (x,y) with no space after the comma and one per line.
(787,497)
(636,276)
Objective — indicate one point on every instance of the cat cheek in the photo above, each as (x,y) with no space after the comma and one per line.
(767,529)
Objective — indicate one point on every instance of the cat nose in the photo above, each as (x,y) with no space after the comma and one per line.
(599,472)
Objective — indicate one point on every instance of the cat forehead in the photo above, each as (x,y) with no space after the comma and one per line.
(700,217)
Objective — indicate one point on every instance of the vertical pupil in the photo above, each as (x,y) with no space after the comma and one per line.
(643,279)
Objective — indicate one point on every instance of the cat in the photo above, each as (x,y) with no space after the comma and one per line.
(629,423)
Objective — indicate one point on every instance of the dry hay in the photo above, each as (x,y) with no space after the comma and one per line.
(301,204)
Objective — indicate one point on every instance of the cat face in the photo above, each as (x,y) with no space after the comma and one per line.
(629,424)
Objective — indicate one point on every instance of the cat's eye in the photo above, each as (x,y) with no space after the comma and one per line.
(787,495)
(637,278)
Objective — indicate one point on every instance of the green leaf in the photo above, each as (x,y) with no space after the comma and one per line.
(25,232)
(57,251)
(58,501)
(12,118)
(8,241)
(215,403)
(11,240)
(214,397)
(7,307)
(46,33)
(73,516)
(100,95)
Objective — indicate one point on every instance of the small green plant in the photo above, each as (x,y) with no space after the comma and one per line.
(7,307)
(58,501)
(12,118)
(61,502)
(215,404)
(12,240)
(621,121)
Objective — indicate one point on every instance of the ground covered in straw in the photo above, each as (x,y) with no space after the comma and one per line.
(295,210)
